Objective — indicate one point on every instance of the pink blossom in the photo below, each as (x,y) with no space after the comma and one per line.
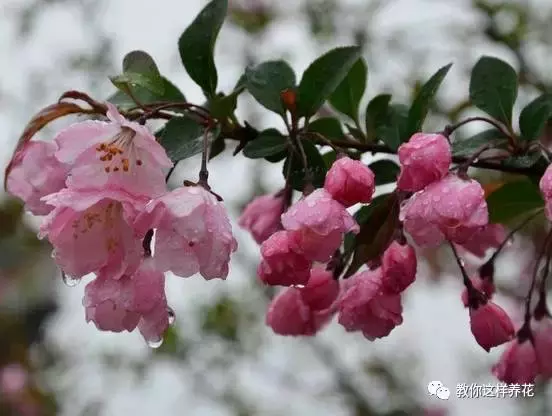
(91,230)
(193,232)
(136,300)
(262,216)
(289,314)
(518,363)
(490,325)
(490,236)
(36,173)
(116,154)
(398,267)
(321,223)
(321,290)
(365,306)
(545,185)
(349,182)
(483,285)
(452,208)
(13,379)
(282,262)
(424,159)
(542,333)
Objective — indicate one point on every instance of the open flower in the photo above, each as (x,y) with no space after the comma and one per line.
(136,300)
(117,154)
(262,216)
(91,230)
(193,232)
(36,173)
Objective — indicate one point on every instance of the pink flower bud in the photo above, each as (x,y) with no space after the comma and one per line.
(424,159)
(36,173)
(262,216)
(518,363)
(490,236)
(452,208)
(321,223)
(321,290)
(398,267)
(490,325)
(483,285)
(13,380)
(542,333)
(288,314)
(545,185)
(282,263)
(349,182)
(365,307)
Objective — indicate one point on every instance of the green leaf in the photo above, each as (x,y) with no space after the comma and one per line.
(139,69)
(493,88)
(356,133)
(523,161)
(329,158)
(266,82)
(316,167)
(182,137)
(386,171)
(223,106)
(217,147)
(346,97)
(467,147)
(323,76)
(512,200)
(278,157)
(328,127)
(269,142)
(393,130)
(376,114)
(361,217)
(534,116)
(145,96)
(376,232)
(196,45)
(420,106)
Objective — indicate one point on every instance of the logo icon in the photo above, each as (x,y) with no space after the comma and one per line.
(436,388)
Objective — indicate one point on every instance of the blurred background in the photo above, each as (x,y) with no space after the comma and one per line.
(218,357)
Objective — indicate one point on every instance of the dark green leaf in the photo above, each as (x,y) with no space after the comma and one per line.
(223,106)
(316,167)
(361,217)
(534,117)
(328,127)
(393,130)
(266,82)
(125,102)
(346,97)
(182,137)
(217,147)
(420,106)
(278,157)
(376,232)
(329,158)
(140,70)
(467,147)
(197,44)
(523,161)
(512,200)
(386,171)
(493,88)
(376,114)
(323,76)
(269,142)
(356,133)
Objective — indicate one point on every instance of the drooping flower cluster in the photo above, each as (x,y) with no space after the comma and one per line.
(102,186)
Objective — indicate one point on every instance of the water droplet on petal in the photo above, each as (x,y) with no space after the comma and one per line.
(53,254)
(70,281)
(172,315)
(299,286)
(462,262)
(155,342)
